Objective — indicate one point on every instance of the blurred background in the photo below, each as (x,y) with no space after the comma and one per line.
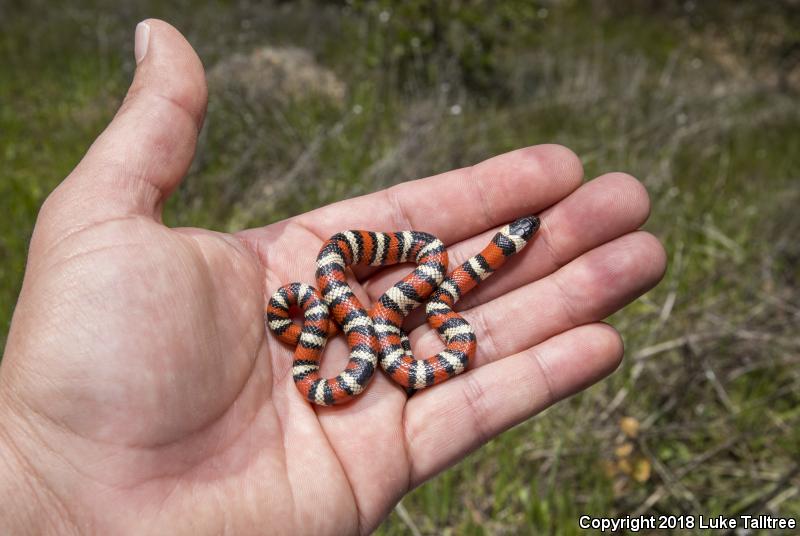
(313,101)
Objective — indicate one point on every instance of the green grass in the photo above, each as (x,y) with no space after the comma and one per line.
(705,117)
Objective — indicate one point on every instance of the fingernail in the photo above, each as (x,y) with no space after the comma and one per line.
(141,41)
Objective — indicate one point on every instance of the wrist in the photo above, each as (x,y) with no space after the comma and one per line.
(28,504)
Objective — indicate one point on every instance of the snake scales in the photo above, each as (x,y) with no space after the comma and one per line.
(377,336)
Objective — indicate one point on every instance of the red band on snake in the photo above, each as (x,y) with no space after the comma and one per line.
(377,335)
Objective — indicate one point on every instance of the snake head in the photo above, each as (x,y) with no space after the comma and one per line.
(524,227)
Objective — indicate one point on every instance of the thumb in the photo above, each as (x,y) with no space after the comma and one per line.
(143,154)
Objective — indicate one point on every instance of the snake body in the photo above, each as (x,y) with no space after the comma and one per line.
(377,336)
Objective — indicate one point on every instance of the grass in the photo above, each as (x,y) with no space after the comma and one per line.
(703,416)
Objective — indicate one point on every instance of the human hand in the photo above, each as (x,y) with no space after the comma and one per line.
(141,393)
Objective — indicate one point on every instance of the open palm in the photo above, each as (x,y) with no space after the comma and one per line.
(142,393)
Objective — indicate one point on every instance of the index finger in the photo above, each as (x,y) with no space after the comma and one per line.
(461,203)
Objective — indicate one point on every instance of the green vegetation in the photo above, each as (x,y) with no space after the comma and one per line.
(703,415)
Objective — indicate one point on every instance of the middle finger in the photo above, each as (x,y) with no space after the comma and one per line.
(600,210)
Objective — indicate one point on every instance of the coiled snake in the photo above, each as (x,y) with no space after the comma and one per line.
(377,335)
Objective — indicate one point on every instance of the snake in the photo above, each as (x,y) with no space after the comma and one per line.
(377,336)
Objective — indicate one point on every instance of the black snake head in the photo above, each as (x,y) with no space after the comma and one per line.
(525,227)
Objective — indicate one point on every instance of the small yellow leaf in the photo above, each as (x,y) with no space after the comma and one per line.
(624,466)
(641,470)
(624,450)
(629,426)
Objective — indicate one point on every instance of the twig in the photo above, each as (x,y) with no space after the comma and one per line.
(405,517)
(671,482)
(722,394)
(757,503)
(661,490)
